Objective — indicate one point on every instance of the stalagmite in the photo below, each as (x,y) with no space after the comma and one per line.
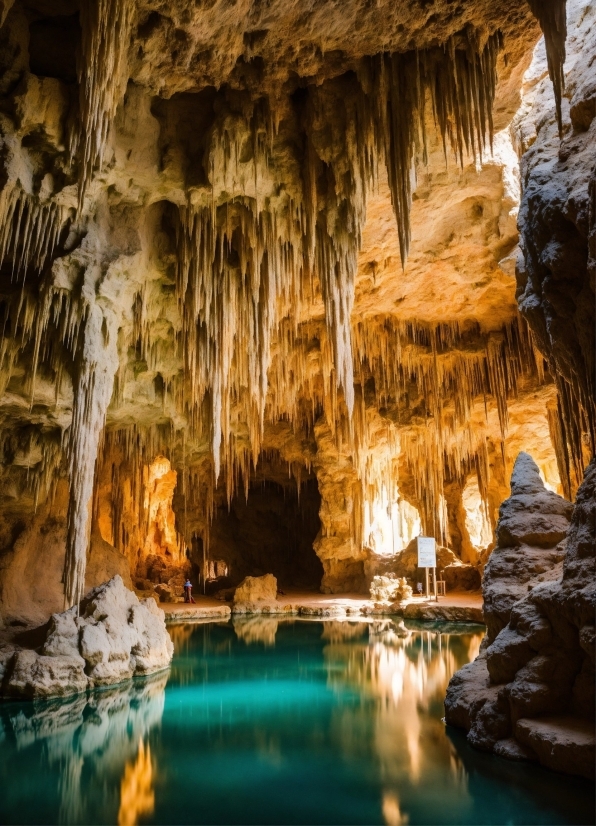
(96,370)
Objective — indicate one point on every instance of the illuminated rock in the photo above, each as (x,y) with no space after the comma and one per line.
(110,637)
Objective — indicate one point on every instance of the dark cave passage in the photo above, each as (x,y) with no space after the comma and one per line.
(271,532)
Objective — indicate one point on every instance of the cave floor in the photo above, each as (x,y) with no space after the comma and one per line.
(463,606)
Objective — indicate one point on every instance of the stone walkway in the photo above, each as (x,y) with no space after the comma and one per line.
(463,606)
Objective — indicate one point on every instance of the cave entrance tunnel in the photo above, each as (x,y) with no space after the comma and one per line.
(270,532)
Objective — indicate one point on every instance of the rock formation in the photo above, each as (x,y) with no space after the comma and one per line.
(530,692)
(277,164)
(108,638)
(557,221)
(245,246)
(257,589)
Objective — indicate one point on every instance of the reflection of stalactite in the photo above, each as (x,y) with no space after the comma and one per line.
(137,797)
(71,802)
(552,16)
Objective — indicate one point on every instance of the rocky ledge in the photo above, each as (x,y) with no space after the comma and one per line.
(530,692)
(108,638)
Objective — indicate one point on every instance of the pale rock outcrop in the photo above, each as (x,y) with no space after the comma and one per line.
(257,589)
(110,637)
(257,594)
(389,589)
(530,692)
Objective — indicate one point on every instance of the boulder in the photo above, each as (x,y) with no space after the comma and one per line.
(38,676)
(389,589)
(561,743)
(460,576)
(110,637)
(256,589)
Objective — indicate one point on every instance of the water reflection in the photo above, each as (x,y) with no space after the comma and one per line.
(93,745)
(391,810)
(253,630)
(267,723)
(403,671)
(136,790)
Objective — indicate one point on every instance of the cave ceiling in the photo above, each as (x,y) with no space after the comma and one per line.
(230,227)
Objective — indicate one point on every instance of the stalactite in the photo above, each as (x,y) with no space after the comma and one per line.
(246,258)
(459,81)
(335,215)
(106,27)
(29,229)
(552,16)
(452,369)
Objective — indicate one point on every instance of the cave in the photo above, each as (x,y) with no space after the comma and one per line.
(289,293)
(272,530)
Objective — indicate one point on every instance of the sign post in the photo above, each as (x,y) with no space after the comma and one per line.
(427,558)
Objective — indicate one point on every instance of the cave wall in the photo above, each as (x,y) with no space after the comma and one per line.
(366,324)
(529,695)
(555,272)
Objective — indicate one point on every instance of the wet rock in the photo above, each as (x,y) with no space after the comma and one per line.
(263,607)
(436,612)
(561,743)
(33,675)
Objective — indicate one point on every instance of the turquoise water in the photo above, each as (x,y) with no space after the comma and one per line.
(267,722)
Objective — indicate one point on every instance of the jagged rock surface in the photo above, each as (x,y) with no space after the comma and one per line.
(533,682)
(557,222)
(109,638)
(531,532)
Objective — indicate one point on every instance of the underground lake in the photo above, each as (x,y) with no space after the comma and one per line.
(276,721)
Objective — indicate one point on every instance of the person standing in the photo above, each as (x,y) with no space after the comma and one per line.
(188,591)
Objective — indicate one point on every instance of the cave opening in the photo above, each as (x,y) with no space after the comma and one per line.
(271,530)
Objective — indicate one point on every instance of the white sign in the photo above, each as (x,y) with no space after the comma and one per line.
(427,554)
